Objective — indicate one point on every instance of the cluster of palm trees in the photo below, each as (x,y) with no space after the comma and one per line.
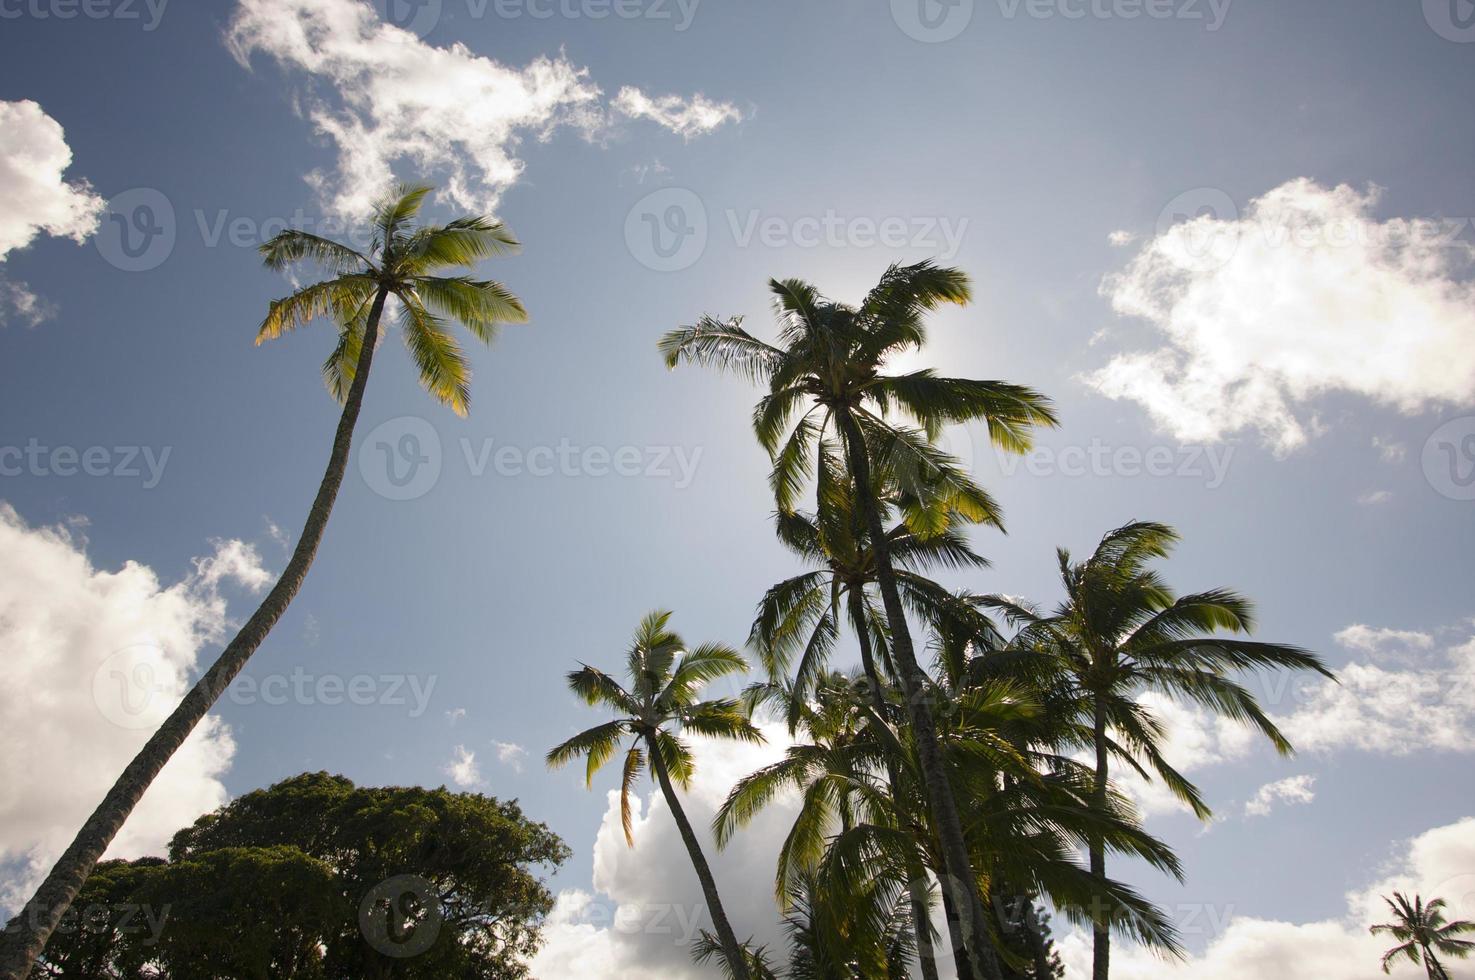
(976,781)
(969,783)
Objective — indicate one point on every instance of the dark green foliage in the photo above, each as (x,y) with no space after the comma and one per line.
(273,886)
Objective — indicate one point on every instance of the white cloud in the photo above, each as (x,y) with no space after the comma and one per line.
(687,118)
(95,660)
(646,905)
(510,754)
(1438,862)
(19,304)
(1121,237)
(386,97)
(1305,295)
(1422,701)
(1374,497)
(34,197)
(455,715)
(463,768)
(1382,641)
(1390,451)
(1291,790)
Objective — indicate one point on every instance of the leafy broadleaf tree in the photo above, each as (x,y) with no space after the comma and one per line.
(826,377)
(1422,930)
(666,679)
(399,266)
(1120,632)
(275,884)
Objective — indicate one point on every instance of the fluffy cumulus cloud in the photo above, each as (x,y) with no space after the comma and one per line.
(687,118)
(1304,294)
(35,196)
(1439,862)
(1409,694)
(36,199)
(463,769)
(95,660)
(646,906)
(383,96)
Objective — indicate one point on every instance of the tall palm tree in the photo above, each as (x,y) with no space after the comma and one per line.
(803,613)
(666,679)
(1120,632)
(1421,929)
(831,362)
(399,264)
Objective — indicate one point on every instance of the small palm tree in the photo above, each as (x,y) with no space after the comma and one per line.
(399,266)
(666,679)
(829,371)
(1121,631)
(1421,929)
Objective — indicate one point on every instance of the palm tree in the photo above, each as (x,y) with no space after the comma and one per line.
(398,265)
(666,679)
(831,362)
(1121,631)
(803,612)
(1420,930)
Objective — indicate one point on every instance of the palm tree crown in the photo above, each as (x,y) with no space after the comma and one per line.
(399,263)
(665,682)
(1422,931)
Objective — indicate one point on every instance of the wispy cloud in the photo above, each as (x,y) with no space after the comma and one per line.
(687,118)
(1291,790)
(510,754)
(384,96)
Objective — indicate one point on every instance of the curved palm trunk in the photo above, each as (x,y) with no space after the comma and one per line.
(958,870)
(730,948)
(1101,933)
(916,873)
(27,933)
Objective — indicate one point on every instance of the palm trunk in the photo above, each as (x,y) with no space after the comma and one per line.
(730,948)
(957,869)
(916,872)
(1101,933)
(27,933)
(1432,966)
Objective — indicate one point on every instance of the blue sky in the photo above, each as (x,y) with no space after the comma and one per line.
(1237,236)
